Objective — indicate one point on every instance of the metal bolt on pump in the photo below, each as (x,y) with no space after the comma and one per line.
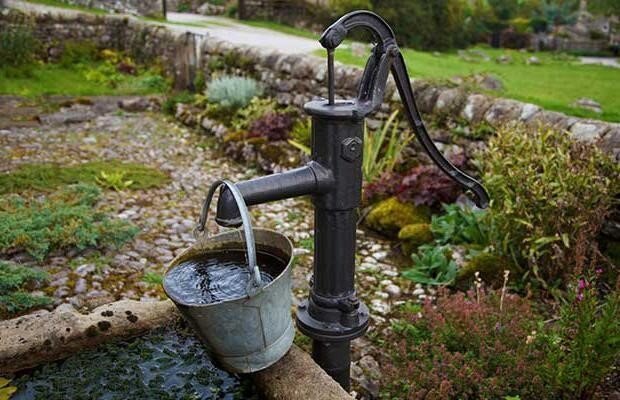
(332,315)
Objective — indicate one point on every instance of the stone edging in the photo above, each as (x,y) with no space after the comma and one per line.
(44,336)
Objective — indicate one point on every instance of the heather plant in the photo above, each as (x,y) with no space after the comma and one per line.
(15,283)
(63,220)
(232,92)
(421,185)
(382,149)
(466,347)
(549,195)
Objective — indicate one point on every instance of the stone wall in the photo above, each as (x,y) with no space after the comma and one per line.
(295,79)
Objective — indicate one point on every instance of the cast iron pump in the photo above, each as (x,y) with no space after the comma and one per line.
(333,315)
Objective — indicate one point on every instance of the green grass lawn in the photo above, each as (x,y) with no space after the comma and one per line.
(554,85)
(54,79)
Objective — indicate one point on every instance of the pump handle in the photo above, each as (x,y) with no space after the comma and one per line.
(387,57)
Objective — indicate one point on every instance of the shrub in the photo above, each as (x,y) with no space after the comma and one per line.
(65,219)
(464,347)
(584,344)
(18,48)
(421,185)
(257,109)
(78,52)
(232,92)
(549,198)
(15,281)
(341,7)
(272,126)
(45,177)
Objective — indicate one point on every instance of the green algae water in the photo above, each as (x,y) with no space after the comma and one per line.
(218,276)
(165,364)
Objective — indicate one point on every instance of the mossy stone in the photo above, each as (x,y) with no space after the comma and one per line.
(390,216)
(414,235)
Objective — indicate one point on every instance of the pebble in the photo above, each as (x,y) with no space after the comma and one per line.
(393,291)
(81,286)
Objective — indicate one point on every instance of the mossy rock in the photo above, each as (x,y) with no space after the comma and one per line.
(414,235)
(390,216)
(490,266)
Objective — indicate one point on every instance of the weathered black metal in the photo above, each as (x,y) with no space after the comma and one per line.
(333,315)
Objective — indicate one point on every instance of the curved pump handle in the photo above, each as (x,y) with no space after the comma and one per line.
(387,57)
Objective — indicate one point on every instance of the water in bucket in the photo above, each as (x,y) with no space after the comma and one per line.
(218,276)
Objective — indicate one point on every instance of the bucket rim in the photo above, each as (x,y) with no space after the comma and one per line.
(175,262)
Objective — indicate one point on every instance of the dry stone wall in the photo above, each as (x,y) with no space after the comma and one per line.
(293,79)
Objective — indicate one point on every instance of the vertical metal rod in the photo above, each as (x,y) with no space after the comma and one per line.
(330,76)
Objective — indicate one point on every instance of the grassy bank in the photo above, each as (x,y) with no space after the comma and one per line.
(55,79)
(555,84)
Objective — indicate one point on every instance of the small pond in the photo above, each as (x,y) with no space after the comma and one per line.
(164,364)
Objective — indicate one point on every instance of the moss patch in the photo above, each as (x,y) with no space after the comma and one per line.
(63,220)
(390,216)
(15,283)
(44,177)
(414,235)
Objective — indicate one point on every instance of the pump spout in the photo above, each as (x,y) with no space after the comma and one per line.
(310,179)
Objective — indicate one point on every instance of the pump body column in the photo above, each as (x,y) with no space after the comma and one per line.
(332,315)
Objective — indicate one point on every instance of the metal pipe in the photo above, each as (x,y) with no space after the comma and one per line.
(330,77)
(310,179)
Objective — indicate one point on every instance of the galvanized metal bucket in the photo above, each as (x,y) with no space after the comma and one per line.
(250,333)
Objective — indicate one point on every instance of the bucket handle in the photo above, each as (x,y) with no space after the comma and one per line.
(254,284)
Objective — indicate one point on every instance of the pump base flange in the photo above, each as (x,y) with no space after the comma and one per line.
(330,331)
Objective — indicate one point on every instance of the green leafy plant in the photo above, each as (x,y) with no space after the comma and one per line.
(15,281)
(549,197)
(460,225)
(232,92)
(62,220)
(114,180)
(382,151)
(432,265)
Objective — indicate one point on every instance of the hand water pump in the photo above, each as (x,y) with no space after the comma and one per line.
(333,315)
